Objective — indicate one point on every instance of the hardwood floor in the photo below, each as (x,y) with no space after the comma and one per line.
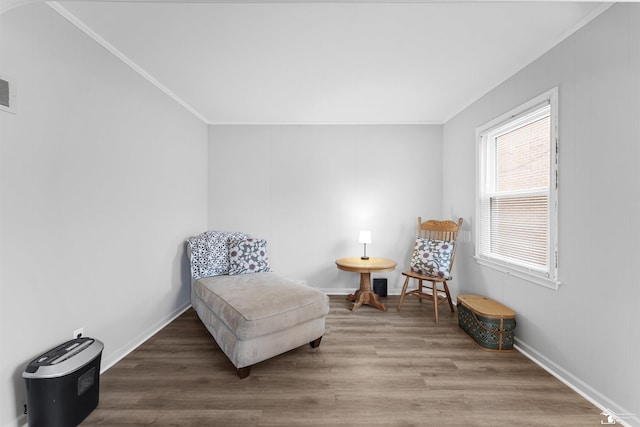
(372,368)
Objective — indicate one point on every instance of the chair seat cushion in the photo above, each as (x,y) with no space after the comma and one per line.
(415,275)
(253,305)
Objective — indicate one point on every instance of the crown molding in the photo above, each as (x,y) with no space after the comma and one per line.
(121,56)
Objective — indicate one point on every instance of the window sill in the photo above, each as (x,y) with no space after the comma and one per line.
(523,274)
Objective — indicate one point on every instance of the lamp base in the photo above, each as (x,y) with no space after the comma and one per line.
(364,257)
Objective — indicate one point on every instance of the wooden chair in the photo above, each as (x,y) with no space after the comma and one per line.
(446,231)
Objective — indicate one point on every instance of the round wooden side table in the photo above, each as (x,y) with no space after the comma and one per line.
(365,267)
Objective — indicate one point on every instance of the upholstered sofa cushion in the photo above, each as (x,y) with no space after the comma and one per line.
(253,305)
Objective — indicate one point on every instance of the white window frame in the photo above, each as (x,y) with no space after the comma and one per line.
(548,278)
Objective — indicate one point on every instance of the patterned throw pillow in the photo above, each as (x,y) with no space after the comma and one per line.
(248,256)
(432,257)
(210,253)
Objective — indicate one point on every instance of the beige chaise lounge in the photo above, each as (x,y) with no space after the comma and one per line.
(256,316)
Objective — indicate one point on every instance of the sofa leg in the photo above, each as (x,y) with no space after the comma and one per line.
(244,372)
(315,343)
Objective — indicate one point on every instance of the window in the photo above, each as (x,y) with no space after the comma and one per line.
(517,192)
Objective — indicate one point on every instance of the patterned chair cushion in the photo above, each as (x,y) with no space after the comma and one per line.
(210,253)
(432,257)
(248,256)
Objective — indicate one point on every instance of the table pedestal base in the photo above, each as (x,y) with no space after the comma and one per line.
(365,295)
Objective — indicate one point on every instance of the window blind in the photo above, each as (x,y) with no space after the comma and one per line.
(514,197)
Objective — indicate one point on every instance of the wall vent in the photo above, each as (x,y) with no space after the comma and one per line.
(7,95)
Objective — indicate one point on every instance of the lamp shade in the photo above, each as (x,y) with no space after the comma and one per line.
(365,236)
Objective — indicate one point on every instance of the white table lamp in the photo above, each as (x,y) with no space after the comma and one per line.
(365,237)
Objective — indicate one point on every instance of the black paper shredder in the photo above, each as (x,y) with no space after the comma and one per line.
(63,384)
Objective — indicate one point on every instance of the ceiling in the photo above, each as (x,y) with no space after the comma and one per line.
(270,62)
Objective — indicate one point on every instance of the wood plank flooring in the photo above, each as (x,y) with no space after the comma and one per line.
(373,368)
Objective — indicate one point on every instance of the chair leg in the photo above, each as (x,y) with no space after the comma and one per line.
(403,293)
(420,290)
(435,300)
(446,290)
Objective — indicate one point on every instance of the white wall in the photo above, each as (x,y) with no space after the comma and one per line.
(308,190)
(587,331)
(102,177)
(97,160)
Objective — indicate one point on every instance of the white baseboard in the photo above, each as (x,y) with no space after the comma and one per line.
(123,351)
(624,418)
(349,291)
(18,422)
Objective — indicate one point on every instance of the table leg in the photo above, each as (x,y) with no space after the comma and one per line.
(365,295)
(354,296)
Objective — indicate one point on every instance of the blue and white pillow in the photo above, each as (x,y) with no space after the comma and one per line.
(210,253)
(432,257)
(248,256)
